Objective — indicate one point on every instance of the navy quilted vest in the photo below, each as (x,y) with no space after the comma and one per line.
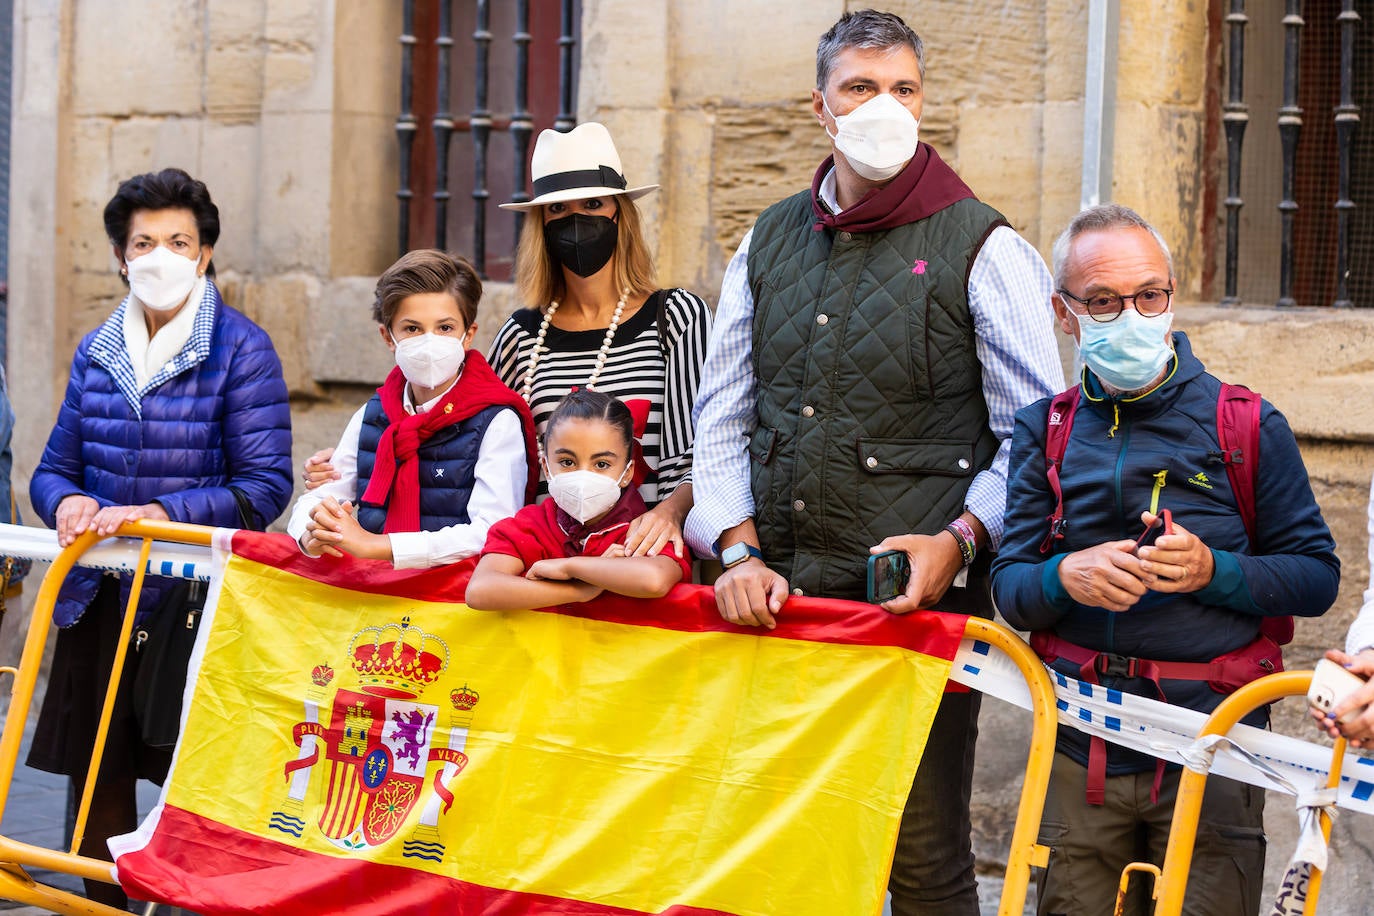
(448,464)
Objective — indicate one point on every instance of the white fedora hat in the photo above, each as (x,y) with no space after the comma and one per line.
(576,165)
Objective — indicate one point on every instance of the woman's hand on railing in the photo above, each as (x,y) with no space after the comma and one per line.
(74,515)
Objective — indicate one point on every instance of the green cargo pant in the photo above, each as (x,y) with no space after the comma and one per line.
(1089,845)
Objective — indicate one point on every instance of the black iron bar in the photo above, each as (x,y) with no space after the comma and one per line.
(481,136)
(405,125)
(443,126)
(521,124)
(1235,116)
(1290,126)
(566,119)
(1347,124)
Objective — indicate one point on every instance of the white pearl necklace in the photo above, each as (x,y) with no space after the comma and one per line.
(601,355)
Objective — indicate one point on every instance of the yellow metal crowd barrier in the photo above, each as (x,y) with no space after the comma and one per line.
(1173,878)
(16,857)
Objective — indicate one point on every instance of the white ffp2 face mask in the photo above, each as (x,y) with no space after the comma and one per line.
(878,138)
(585,495)
(429,360)
(162,279)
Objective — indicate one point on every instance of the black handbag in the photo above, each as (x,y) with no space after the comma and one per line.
(164,645)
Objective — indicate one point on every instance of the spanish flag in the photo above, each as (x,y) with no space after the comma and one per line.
(356,740)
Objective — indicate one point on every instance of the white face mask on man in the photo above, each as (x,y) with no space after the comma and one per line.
(878,138)
(585,495)
(162,279)
(429,360)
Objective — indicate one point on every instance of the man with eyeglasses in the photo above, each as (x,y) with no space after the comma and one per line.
(1148,569)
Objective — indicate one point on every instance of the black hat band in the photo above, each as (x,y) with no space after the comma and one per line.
(601,177)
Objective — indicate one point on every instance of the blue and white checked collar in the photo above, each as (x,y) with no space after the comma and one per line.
(109,351)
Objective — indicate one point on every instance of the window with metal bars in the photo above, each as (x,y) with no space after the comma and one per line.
(1296,197)
(479,80)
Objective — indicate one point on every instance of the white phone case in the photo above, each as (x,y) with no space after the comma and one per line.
(1331,683)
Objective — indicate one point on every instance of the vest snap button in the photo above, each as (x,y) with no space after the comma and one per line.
(963,464)
(796,591)
(808,411)
(822,319)
(799,505)
(871,461)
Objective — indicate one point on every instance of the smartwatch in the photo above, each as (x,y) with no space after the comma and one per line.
(738,552)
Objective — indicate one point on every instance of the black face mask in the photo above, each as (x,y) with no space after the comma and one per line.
(581,243)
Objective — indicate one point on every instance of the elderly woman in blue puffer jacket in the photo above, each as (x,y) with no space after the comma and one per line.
(176,409)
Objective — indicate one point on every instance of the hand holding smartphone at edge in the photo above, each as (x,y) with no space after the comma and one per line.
(1332,683)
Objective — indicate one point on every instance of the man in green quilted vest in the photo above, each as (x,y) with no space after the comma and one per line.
(874,338)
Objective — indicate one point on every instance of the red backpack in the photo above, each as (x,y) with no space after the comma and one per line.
(1238,424)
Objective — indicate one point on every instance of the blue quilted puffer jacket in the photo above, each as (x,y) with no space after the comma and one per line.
(213,418)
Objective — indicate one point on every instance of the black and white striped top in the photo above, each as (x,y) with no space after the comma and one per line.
(663,369)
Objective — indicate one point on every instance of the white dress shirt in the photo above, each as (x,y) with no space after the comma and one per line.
(1009,291)
(497,493)
(1361,635)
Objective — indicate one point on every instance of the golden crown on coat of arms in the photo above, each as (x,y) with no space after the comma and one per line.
(464,698)
(321,675)
(397,659)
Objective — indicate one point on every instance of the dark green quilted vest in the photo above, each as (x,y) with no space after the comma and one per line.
(871,418)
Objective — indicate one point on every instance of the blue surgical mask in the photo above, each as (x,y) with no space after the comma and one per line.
(1129,352)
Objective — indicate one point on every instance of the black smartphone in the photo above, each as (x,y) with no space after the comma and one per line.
(888,574)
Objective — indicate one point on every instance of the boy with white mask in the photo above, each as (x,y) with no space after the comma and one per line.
(442,451)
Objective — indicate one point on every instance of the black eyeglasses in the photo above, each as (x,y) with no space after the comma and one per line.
(1106,306)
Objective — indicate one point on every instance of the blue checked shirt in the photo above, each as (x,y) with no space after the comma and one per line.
(1009,298)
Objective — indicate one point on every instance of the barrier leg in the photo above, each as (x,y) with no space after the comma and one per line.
(1125,884)
(1333,779)
(1025,852)
(15,857)
(1178,856)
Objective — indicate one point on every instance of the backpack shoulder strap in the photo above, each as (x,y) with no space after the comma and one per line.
(1059,423)
(1238,432)
(1238,422)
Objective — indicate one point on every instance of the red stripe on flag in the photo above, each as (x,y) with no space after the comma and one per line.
(687,608)
(205,866)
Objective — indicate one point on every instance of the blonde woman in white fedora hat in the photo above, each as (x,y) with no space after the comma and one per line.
(596,318)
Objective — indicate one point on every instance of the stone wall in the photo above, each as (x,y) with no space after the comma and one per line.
(284,109)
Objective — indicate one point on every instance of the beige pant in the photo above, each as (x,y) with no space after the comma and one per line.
(1090,845)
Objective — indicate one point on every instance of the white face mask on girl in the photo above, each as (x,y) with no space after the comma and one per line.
(162,279)
(585,494)
(878,138)
(429,360)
